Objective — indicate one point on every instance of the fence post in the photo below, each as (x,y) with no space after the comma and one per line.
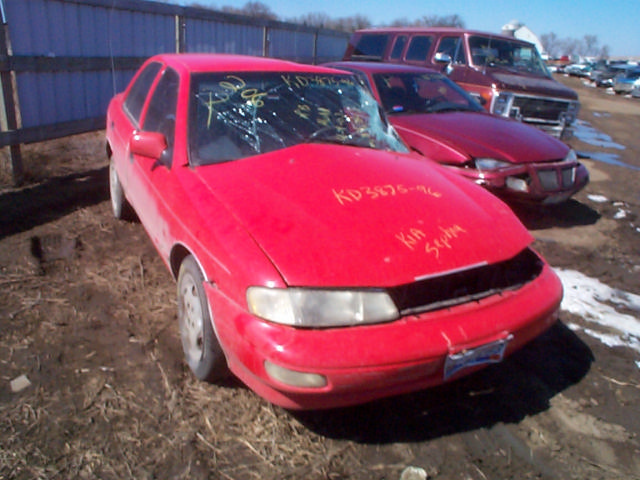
(8,103)
(315,47)
(265,41)
(181,34)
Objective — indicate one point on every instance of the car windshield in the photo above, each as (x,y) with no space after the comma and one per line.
(417,92)
(233,116)
(512,56)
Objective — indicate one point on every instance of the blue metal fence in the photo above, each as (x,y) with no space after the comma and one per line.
(64,59)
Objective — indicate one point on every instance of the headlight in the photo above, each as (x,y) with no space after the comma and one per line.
(315,308)
(502,104)
(488,164)
(573,108)
(571,156)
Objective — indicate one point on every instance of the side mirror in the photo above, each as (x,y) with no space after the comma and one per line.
(442,58)
(148,144)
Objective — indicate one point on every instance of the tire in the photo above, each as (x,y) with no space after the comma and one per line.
(202,351)
(121,208)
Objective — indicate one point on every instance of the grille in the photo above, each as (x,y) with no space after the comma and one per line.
(540,108)
(464,286)
(551,180)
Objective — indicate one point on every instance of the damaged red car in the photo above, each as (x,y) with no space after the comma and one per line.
(315,257)
(441,121)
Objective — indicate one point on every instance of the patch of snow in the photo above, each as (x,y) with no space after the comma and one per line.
(597,198)
(595,302)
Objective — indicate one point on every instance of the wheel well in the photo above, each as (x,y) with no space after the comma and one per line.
(178,254)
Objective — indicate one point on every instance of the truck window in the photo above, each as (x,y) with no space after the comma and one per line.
(398,47)
(501,53)
(419,48)
(452,46)
(371,46)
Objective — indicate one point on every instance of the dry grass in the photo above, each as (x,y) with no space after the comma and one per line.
(89,318)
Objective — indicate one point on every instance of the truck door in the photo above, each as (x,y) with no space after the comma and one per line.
(450,59)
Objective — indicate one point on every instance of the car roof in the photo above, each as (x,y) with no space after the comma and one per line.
(221,62)
(378,67)
(441,30)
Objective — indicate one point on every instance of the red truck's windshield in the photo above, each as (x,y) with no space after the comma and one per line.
(513,56)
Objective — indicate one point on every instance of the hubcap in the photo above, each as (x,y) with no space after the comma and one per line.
(191,320)
(113,186)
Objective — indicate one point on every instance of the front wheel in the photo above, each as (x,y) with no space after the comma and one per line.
(201,348)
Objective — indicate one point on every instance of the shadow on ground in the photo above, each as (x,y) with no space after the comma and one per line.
(28,207)
(571,213)
(521,386)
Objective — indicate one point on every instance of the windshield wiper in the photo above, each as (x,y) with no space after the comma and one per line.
(451,107)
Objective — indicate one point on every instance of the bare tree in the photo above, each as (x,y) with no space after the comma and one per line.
(322,20)
(551,44)
(315,19)
(430,21)
(443,21)
(253,9)
(350,24)
(588,46)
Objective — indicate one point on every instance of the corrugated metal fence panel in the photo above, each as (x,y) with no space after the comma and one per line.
(66,96)
(330,48)
(140,34)
(78,30)
(212,36)
(292,45)
(69,57)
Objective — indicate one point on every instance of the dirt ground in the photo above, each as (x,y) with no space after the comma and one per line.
(93,384)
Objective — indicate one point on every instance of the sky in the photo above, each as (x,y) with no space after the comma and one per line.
(614,22)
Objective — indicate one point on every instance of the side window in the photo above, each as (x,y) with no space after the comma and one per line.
(139,90)
(398,47)
(419,48)
(161,114)
(371,46)
(452,46)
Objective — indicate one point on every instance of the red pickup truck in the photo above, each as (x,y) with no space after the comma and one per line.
(505,74)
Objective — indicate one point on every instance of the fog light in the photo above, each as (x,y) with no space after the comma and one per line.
(293,378)
(517,184)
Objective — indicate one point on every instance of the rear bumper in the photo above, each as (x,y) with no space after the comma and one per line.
(369,362)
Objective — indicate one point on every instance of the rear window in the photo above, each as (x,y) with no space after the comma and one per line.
(419,48)
(372,45)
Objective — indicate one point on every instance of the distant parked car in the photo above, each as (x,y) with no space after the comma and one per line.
(444,123)
(623,82)
(635,91)
(315,257)
(578,69)
(603,75)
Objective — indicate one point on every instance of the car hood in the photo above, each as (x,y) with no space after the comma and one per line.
(537,86)
(456,137)
(329,215)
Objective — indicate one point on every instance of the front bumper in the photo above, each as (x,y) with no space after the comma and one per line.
(364,363)
(537,183)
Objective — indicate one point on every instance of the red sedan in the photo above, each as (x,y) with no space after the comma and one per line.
(444,123)
(315,258)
